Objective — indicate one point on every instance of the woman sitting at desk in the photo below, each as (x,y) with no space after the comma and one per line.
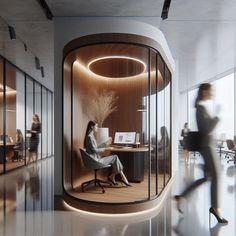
(94,151)
(19,146)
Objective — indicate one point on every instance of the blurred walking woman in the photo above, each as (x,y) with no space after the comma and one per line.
(94,151)
(206,125)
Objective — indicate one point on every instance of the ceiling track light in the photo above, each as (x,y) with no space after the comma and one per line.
(165,9)
(37,63)
(46,9)
(42,71)
(25,47)
(11,32)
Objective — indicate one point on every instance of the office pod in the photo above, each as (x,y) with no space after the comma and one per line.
(123,83)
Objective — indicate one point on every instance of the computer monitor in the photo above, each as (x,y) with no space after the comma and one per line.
(125,137)
(2,138)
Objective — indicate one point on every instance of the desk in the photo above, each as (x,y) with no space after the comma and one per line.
(132,160)
(9,147)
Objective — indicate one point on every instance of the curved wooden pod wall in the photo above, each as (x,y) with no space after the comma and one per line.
(129,91)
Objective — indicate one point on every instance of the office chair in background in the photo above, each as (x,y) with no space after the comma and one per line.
(231,147)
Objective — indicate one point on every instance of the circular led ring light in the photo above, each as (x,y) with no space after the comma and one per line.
(127,63)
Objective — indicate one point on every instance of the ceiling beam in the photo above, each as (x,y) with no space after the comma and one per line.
(46,9)
(165,9)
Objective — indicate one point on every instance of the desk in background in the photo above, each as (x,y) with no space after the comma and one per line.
(132,160)
(9,147)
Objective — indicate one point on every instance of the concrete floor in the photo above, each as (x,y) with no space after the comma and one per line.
(26,202)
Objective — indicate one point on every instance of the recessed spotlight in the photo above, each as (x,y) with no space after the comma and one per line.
(25,47)
(42,71)
(37,63)
(11,32)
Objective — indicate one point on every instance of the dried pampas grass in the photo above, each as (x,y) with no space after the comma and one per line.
(103,104)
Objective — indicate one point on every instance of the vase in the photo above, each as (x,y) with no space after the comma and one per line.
(102,135)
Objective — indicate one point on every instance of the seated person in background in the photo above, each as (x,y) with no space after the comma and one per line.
(184,134)
(94,151)
(19,146)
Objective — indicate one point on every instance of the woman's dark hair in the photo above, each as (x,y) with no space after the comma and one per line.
(89,129)
(19,133)
(202,88)
(37,117)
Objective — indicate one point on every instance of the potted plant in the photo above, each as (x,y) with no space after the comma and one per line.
(104,103)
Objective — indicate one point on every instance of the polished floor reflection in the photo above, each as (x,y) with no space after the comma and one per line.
(27,207)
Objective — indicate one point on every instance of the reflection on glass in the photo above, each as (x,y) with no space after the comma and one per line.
(164,152)
(153,122)
(1,117)
(38,108)
(15,119)
(29,112)
(167,125)
(34,183)
(160,123)
(49,113)
(44,123)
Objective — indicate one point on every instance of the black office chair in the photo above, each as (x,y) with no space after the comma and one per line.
(92,164)
(18,151)
(232,149)
(235,140)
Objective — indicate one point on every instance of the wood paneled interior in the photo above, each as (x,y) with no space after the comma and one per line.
(10,101)
(67,123)
(84,55)
(11,115)
(126,118)
(130,91)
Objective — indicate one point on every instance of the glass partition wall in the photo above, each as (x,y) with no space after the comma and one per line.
(137,82)
(2,150)
(20,98)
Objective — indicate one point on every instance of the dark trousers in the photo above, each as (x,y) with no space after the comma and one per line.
(210,173)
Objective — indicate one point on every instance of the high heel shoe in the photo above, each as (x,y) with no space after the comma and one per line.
(177,199)
(127,184)
(219,219)
(112,181)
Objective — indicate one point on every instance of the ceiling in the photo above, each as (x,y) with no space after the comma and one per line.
(201,34)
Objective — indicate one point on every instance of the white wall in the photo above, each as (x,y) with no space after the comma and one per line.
(176,111)
(67,29)
(20,103)
(183,113)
